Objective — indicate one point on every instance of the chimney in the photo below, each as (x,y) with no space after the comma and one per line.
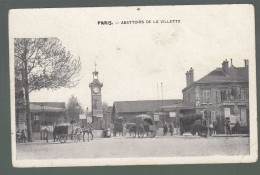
(246,62)
(191,75)
(231,63)
(225,67)
(188,78)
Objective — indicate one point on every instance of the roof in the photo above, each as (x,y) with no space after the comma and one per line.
(235,74)
(110,109)
(47,106)
(143,106)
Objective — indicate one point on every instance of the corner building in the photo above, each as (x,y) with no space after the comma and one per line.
(223,93)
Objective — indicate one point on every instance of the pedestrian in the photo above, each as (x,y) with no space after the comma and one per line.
(215,125)
(211,129)
(45,133)
(165,129)
(171,127)
(54,134)
(228,127)
(23,136)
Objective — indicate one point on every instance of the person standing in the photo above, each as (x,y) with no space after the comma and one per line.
(228,127)
(45,134)
(165,129)
(171,128)
(23,136)
(215,125)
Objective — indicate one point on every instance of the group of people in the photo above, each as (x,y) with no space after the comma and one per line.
(21,136)
(168,127)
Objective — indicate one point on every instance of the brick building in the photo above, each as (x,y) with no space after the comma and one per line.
(223,92)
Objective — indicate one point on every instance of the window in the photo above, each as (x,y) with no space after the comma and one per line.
(36,117)
(227,112)
(242,94)
(156,117)
(206,96)
(223,95)
(218,96)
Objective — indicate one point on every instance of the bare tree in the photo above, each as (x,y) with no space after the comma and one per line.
(43,63)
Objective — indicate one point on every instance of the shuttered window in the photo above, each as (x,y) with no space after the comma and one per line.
(206,96)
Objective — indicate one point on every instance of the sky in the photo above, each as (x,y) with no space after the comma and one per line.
(133,58)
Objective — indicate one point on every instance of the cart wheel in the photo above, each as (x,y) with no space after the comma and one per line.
(153,134)
(132,134)
(63,139)
(140,134)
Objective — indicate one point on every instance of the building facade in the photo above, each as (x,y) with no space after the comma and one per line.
(223,93)
(43,115)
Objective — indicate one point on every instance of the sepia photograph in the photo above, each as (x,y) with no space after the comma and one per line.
(145,85)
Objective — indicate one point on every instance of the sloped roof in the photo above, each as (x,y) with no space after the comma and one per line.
(235,74)
(143,106)
(48,106)
(109,109)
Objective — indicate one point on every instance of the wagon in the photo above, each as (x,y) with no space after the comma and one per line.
(141,127)
(62,132)
(193,123)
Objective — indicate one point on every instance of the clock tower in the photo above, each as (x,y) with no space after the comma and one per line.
(96,100)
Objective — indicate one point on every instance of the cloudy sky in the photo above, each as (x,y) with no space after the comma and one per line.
(133,58)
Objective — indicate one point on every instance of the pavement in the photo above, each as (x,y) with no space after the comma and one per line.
(120,147)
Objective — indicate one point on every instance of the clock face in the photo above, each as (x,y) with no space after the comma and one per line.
(96,89)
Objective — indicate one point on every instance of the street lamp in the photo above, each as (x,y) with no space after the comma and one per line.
(208,114)
(43,117)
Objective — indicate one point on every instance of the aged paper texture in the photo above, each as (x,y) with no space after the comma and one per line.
(133,85)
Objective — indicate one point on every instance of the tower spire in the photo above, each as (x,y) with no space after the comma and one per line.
(95,73)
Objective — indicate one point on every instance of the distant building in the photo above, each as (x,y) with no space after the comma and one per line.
(223,92)
(128,110)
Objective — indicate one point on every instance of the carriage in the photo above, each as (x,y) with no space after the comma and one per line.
(62,132)
(141,127)
(193,123)
(118,126)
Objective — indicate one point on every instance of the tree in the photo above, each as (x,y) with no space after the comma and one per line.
(43,63)
(104,106)
(74,109)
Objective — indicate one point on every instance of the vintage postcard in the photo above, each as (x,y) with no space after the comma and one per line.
(145,85)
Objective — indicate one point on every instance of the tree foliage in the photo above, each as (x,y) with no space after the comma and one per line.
(48,63)
(74,108)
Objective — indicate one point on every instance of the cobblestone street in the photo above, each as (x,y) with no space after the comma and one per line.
(121,147)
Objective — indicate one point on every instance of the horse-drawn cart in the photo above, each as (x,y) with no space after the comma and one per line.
(142,126)
(193,123)
(63,131)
